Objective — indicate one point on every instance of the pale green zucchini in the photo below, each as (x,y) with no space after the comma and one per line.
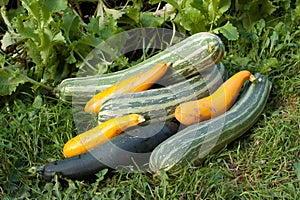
(188,57)
(189,146)
(159,104)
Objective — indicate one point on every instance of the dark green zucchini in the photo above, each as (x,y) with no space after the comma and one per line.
(128,151)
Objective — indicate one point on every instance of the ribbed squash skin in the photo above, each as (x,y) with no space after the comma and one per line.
(188,57)
(190,145)
(159,104)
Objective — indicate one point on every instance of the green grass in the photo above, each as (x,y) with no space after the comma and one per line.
(259,165)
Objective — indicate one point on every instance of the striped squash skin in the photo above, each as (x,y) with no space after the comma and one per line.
(190,145)
(188,57)
(159,104)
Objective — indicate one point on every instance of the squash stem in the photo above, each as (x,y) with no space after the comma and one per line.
(252,78)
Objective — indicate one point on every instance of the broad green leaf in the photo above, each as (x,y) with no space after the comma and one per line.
(147,19)
(267,8)
(9,83)
(52,68)
(200,5)
(224,6)
(193,20)
(89,40)
(228,30)
(58,38)
(71,58)
(46,50)
(56,6)
(109,27)
(42,10)
(33,9)
(38,11)
(255,10)
(26,29)
(34,54)
(71,26)
(213,10)
(133,14)
(93,26)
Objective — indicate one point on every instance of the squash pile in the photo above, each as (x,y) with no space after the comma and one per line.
(194,111)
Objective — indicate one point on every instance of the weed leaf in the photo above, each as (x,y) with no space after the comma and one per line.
(9,83)
(228,30)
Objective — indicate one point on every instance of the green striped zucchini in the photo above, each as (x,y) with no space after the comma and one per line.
(188,57)
(190,145)
(159,104)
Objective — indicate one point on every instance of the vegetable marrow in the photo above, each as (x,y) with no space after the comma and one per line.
(159,104)
(190,145)
(188,57)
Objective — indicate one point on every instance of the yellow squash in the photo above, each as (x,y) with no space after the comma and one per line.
(102,133)
(214,105)
(136,83)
